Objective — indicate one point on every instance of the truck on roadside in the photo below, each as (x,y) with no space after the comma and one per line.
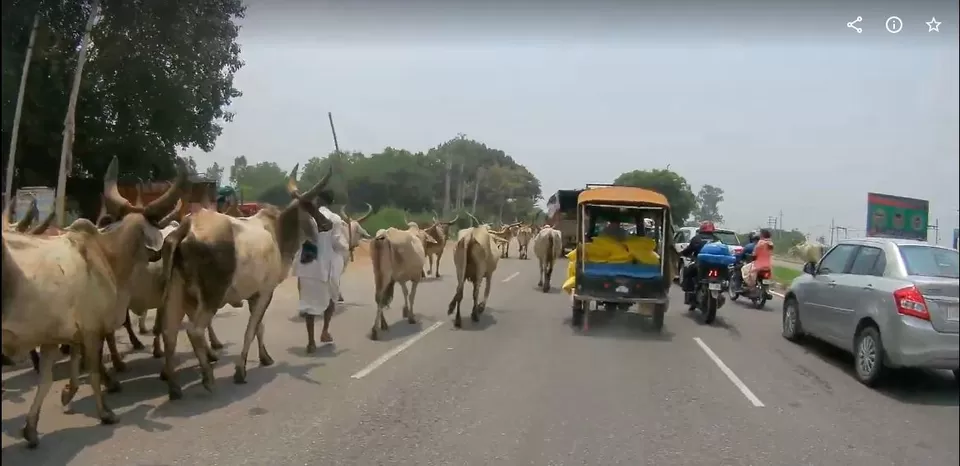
(562,214)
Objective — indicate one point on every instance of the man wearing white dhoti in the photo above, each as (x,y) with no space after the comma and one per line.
(318,267)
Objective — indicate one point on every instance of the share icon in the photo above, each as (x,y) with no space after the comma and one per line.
(853,24)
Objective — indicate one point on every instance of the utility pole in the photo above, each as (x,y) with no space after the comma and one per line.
(771,222)
(780,225)
(936,229)
(15,132)
(833,228)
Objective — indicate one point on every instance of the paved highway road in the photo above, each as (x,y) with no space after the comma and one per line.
(519,388)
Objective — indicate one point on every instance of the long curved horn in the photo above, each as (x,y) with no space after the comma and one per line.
(161,206)
(435,216)
(292,188)
(369,211)
(474,219)
(29,216)
(315,190)
(115,204)
(138,201)
(173,215)
(103,216)
(343,213)
(42,227)
(406,221)
(451,222)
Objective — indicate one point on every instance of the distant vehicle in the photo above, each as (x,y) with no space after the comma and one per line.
(683,235)
(562,215)
(890,302)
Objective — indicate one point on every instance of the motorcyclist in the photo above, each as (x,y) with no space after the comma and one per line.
(705,234)
(747,251)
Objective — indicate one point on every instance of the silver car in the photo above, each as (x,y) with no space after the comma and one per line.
(890,302)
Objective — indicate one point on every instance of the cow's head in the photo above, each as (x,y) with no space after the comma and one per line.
(440,228)
(303,209)
(134,235)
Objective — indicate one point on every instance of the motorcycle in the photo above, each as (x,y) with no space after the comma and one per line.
(758,294)
(707,295)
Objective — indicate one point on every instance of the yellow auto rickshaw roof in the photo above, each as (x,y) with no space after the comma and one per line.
(623,194)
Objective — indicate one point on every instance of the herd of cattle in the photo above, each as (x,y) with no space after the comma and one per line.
(66,292)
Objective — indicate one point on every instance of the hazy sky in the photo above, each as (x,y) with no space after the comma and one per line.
(785,110)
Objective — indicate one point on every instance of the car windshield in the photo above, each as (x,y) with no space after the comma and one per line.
(930,262)
(728,237)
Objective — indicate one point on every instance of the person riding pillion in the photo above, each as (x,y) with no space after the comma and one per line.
(705,235)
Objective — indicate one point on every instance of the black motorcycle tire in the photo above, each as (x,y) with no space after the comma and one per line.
(760,302)
(710,313)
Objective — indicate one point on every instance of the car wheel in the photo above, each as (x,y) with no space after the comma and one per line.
(868,356)
(791,329)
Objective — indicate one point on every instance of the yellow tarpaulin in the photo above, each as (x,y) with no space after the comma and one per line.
(607,250)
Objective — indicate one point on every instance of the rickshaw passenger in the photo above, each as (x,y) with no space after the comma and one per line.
(614,230)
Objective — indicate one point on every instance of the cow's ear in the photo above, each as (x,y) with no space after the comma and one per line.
(152,238)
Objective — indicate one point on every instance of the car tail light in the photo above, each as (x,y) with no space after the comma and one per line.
(737,250)
(910,302)
(712,273)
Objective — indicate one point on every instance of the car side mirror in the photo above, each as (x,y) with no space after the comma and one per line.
(810,268)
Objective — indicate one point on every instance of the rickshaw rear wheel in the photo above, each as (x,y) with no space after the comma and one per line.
(576,318)
(658,313)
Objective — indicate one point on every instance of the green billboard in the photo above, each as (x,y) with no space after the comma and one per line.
(897,217)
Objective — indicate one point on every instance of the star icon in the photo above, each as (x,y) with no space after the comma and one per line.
(934,25)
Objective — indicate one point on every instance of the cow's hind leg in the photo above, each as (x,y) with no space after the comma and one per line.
(455,303)
(112,384)
(70,389)
(142,324)
(411,318)
(215,342)
(262,354)
(475,310)
(547,275)
(172,317)
(540,273)
(258,307)
(48,356)
(115,358)
(93,351)
(134,341)
(436,273)
(482,306)
(196,332)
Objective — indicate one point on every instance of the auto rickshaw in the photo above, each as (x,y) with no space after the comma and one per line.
(641,274)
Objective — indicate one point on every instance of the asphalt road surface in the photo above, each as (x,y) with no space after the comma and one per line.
(518,388)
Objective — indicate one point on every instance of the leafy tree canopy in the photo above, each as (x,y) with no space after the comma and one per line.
(158,78)
(673,186)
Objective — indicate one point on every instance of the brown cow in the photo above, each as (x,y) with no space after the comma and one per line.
(74,288)
(213,259)
(397,257)
(439,231)
(355,231)
(476,261)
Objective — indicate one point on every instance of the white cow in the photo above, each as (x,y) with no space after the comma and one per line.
(547,247)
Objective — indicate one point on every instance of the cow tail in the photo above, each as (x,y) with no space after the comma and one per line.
(551,254)
(380,253)
(168,254)
(461,254)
